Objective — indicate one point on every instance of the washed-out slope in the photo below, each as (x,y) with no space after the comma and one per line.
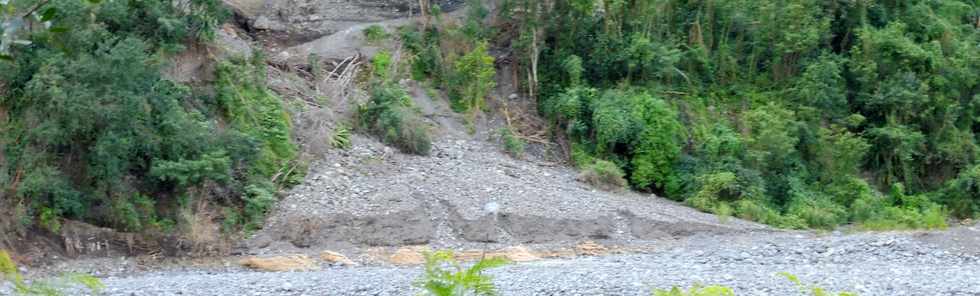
(372,195)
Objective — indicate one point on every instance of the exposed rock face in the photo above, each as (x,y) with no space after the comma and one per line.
(196,64)
(290,22)
(295,21)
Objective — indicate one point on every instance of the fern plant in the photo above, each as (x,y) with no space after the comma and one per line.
(341,137)
(444,276)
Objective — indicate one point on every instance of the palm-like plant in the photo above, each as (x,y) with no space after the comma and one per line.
(444,276)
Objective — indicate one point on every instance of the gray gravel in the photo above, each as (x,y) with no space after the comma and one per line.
(869,264)
(374,196)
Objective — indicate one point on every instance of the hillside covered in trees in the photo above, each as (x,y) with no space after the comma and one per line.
(796,113)
(91,129)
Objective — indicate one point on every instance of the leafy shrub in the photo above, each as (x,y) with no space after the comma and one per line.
(712,186)
(647,126)
(375,33)
(425,48)
(259,200)
(962,194)
(381,65)
(389,116)
(603,174)
(445,277)
(214,166)
(818,212)
(255,111)
(756,211)
(512,144)
(472,79)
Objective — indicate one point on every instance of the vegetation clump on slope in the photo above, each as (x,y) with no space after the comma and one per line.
(389,114)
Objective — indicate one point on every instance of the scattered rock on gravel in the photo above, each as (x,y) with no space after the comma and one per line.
(590,248)
(408,256)
(280,263)
(513,254)
(336,258)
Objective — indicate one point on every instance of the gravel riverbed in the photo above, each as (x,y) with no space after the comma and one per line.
(865,263)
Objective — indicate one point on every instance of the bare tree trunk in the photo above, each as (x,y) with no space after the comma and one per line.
(424,13)
(535,54)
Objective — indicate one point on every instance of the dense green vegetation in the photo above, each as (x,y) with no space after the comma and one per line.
(91,130)
(797,113)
